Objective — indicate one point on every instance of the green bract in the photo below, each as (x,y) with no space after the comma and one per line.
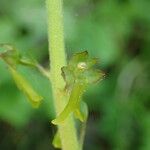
(78,74)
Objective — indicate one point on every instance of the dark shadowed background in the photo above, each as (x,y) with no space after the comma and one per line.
(115,31)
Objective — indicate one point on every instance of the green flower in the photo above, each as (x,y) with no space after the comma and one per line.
(81,69)
(78,74)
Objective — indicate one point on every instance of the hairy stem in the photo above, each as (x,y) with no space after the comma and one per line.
(67,130)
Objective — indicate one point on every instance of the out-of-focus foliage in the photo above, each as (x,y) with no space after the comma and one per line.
(115,31)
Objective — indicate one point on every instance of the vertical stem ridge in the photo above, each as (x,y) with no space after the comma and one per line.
(57,59)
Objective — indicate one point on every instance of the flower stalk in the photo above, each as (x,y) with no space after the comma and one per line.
(67,130)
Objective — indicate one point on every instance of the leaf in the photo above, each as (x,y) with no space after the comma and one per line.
(26,88)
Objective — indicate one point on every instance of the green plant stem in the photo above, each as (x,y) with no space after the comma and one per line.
(67,130)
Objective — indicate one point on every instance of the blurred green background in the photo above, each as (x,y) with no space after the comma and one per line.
(115,31)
